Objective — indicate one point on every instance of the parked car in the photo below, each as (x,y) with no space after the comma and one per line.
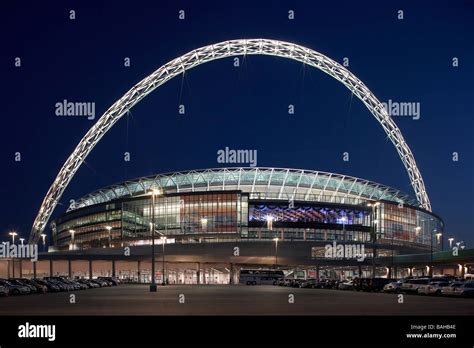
(4,291)
(40,288)
(19,282)
(412,285)
(347,285)
(326,284)
(92,283)
(393,287)
(433,288)
(101,282)
(50,286)
(372,284)
(113,280)
(465,290)
(295,283)
(377,284)
(451,289)
(279,281)
(62,286)
(75,285)
(309,283)
(15,289)
(78,285)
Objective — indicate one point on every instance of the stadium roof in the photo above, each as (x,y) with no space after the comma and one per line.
(265,183)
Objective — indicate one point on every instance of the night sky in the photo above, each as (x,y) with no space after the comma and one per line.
(246,107)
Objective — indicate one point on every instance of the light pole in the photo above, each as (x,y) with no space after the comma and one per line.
(44,241)
(276,251)
(13,234)
(109,228)
(344,221)
(154,193)
(374,234)
(22,240)
(431,253)
(204,224)
(270,223)
(163,282)
(71,246)
(417,233)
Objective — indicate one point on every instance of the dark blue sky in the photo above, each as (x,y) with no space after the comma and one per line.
(242,108)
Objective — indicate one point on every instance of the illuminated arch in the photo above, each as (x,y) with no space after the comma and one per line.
(206,54)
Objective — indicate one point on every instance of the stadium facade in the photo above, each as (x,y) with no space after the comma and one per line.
(241,205)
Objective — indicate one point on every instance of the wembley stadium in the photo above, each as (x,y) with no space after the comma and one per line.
(249,205)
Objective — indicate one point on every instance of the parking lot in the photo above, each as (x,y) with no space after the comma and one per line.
(229,300)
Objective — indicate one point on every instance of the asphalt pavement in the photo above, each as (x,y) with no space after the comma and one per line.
(230,300)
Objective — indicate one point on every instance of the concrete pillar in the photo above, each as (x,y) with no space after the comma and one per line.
(113,268)
(198,273)
(34,269)
(463,267)
(69,268)
(50,267)
(139,264)
(389,275)
(395,272)
(90,269)
(360,271)
(231,274)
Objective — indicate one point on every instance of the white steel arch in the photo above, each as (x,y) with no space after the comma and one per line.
(209,53)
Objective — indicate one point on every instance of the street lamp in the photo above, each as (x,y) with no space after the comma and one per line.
(344,221)
(154,193)
(163,239)
(71,246)
(204,224)
(22,240)
(13,234)
(44,241)
(270,223)
(109,228)
(276,251)
(431,253)
(374,234)
(438,238)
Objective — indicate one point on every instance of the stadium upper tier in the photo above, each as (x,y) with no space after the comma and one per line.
(260,183)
